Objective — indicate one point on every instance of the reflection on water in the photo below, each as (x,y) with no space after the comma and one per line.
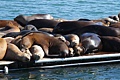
(88,72)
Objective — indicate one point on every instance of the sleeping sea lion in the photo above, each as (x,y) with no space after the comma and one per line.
(50,45)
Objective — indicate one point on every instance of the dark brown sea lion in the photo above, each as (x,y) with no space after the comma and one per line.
(90,42)
(43,23)
(69,26)
(98,29)
(50,45)
(110,44)
(23,20)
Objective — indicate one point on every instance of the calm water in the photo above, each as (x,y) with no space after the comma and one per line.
(67,9)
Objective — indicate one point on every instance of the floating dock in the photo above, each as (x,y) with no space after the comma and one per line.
(60,62)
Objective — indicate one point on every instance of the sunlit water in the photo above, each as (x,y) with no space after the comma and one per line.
(67,9)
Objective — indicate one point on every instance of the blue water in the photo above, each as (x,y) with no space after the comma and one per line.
(67,9)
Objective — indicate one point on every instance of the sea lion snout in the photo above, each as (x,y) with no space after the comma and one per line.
(64,53)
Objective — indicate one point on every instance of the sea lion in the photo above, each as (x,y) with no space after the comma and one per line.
(3,23)
(43,23)
(9,51)
(13,53)
(10,27)
(23,20)
(90,42)
(110,44)
(73,39)
(50,45)
(98,29)
(7,26)
(37,52)
(67,27)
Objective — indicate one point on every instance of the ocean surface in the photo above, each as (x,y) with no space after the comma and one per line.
(66,9)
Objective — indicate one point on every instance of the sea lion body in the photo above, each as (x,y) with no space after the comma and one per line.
(37,52)
(90,42)
(67,27)
(49,44)
(110,44)
(23,20)
(98,29)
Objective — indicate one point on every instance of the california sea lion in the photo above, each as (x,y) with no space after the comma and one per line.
(43,23)
(23,20)
(98,29)
(3,23)
(10,27)
(110,44)
(9,51)
(7,26)
(67,27)
(13,53)
(49,44)
(73,39)
(90,42)
(37,52)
